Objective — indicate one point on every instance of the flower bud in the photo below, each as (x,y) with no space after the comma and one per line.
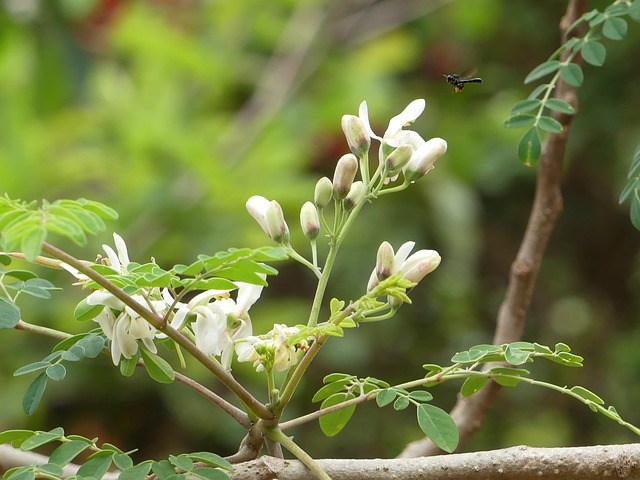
(257,208)
(423,159)
(356,194)
(385,261)
(344,175)
(310,221)
(398,159)
(323,193)
(420,264)
(357,137)
(278,229)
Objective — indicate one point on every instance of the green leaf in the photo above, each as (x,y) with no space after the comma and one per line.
(67,452)
(594,53)
(530,147)
(38,440)
(525,105)
(327,390)
(401,403)
(334,377)
(386,396)
(34,392)
(634,212)
(542,70)
(559,105)
(15,437)
(95,468)
(74,354)
(56,372)
(128,366)
(549,124)
(32,367)
(562,347)
(421,396)
(163,469)
(98,208)
(432,368)
(51,469)
(634,10)
(614,28)
(31,244)
(438,426)
(182,462)
(572,74)
(515,356)
(9,314)
(211,459)
(472,384)
(587,395)
(138,472)
(84,311)
(122,461)
(332,423)
(5,259)
(92,344)
(522,120)
(507,377)
(632,184)
(22,473)
(208,473)
(157,367)
(538,90)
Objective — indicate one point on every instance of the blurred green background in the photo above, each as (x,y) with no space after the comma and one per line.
(175,112)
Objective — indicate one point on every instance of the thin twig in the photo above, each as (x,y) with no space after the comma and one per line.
(469,412)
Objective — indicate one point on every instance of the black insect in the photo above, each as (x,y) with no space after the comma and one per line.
(458,83)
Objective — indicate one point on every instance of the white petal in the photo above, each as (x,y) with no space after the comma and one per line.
(114,261)
(248,294)
(363,113)
(401,256)
(105,298)
(421,263)
(107,321)
(407,116)
(121,248)
(206,331)
(124,342)
(257,208)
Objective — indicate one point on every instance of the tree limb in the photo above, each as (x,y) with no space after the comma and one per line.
(469,412)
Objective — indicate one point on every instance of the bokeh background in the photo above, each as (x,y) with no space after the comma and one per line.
(175,112)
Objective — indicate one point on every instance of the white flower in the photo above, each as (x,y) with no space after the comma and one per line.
(119,259)
(271,350)
(406,117)
(414,268)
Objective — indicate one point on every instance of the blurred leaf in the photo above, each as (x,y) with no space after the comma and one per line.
(587,395)
(95,468)
(209,473)
(9,314)
(211,459)
(594,53)
(614,28)
(519,120)
(572,74)
(386,396)
(472,384)
(542,70)
(67,452)
(421,396)
(39,439)
(529,148)
(34,393)
(157,367)
(635,210)
(515,356)
(84,311)
(560,105)
(31,244)
(525,106)
(56,372)
(549,124)
(137,472)
(401,403)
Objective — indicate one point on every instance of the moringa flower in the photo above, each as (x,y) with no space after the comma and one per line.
(414,268)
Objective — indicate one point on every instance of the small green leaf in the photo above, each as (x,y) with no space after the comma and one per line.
(562,347)
(22,473)
(182,462)
(549,124)
(401,403)
(211,459)
(530,147)
(594,53)
(386,396)
(559,105)
(67,452)
(538,90)
(92,344)
(38,440)
(56,372)
(587,395)
(472,384)
(163,469)
(634,10)
(525,106)
(614,28)
(31,244)
(32,367)
(421,396)
(332,423)
(95,468)
(138,472)
(84,311)
(23,275)
(542,70)
(5,259)
(572,74)
(432,368)
(128,366)
(157,367)
(334,377)
(208,473)
(521,120)
(74,354)
(9,314)
(438,426)
(327,390)
(634,212)
(515,356)
(15,437)
(51,469)
(34,392)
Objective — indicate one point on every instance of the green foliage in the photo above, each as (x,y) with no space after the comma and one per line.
(632,189)
(613,27)
(157,367)
(438,426)
(25,225)
(73,349)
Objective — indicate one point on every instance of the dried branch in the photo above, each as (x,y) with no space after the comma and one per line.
(547,205)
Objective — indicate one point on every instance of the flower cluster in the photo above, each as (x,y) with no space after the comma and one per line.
(271,350)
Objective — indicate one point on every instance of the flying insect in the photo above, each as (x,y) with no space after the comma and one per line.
(458,83)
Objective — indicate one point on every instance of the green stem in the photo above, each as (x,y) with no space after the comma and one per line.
(48,332)
(300,259)
(276,435)
(214,367)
